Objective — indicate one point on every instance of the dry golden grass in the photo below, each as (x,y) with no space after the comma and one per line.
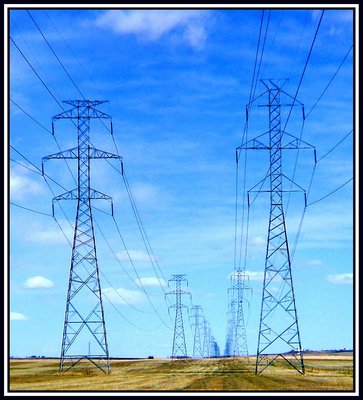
(220,375)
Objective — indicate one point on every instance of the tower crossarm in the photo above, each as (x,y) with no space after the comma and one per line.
(96,195)
(96,153)
(70,195)
(292,143)
(82,109)
(178,306)
(71,153)
(74,195)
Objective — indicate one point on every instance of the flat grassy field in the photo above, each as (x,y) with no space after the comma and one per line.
(323,373)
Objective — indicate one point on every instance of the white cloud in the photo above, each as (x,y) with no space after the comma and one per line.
(258,241)
(123,296)
(135,255)
(38,282)
(315,263)
(16,316)
(54,235)
(21,185)
(151,25)
(340,279)
(255,276)
(151,281)
(144,193)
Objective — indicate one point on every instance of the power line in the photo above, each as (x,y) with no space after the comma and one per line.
(130,195)
(261,55)
(329,194)
(60,227)
(334,147)
(70,50)
(329,83)
(127,320)
(29,209)
(244,137)
(36,73)
(62,65)
(116,257)
(294,99)
(35,211)
(303,73)
(118,311)
(40,171)
(50,92)
(142,231)
(55,55)
(255,76)
(123,298)
(32,118)
(144,236)
(137,275)
(24,166)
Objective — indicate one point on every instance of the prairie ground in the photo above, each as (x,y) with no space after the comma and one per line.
(323,373)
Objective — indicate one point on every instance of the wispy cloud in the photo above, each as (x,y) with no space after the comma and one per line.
(315,263)
(123,296)
(50,236)
(340,279)
(258,241)
(151,25)
(17,316)
(21,185)
(151,281)
(255,276)
(144,193)
(135,255)
(38,282)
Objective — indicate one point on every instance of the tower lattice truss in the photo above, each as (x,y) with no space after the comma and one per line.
(279,336)
(84,332)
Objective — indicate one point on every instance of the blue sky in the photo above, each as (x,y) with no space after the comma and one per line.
(177,82)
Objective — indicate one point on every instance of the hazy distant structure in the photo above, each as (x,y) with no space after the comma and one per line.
(239,286)
(84,321)
(236,339)
(278,330)
(179,349)
(230,329)
(215,352)
(207,339)
(197,325)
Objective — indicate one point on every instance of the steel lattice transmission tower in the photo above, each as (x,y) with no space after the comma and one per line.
(84,321)
(197,323)
(279,335)
(215,352)
(236,340)
(239,286)
(230,329)
(206,339)
(179,349)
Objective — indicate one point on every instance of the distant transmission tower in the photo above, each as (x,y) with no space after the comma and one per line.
(279,335)
(236,340)
(179,349)
(230,329)
(206,339)
(198,330)
(84,317)
(239,335)
(215,352)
